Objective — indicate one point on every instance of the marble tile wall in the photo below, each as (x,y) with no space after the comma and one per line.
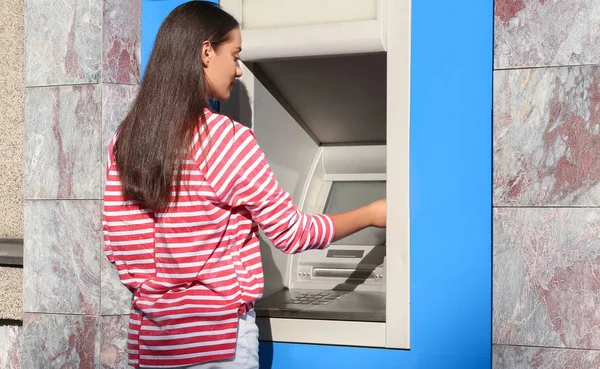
(121,42)
(546,33)
(546,191)
(63,42)
(10,346)
(115,297)
(82,71)
(113,341)
(516,357)
(60,341)
(547,136)
(62,247)
(63,131)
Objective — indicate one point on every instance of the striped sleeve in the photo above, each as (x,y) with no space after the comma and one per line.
(238,171)
(106,246)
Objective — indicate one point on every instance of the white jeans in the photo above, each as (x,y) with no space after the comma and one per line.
(246,352)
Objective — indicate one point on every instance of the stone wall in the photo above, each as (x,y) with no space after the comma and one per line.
(82,70)
(546,184)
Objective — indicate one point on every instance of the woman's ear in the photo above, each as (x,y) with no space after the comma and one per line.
(206,53)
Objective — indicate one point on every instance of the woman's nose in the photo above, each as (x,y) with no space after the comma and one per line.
(238,71)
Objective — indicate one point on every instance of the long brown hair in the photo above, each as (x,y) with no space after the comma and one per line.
(157,133)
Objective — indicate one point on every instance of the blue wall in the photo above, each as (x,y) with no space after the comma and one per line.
(451,195)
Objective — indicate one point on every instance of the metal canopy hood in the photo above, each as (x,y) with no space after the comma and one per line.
(339,100)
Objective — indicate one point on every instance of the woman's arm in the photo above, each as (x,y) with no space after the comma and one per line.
(372,215)
(236,168)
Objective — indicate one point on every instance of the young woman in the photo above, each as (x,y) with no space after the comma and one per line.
(187,190)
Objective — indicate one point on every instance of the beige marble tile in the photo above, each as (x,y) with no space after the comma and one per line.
(11,117)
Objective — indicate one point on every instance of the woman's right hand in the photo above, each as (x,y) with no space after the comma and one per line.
(378,210)
(372,215)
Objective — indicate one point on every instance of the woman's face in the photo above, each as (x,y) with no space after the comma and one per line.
(221,66)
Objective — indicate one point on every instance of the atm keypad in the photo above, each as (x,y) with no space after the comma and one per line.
(314,298)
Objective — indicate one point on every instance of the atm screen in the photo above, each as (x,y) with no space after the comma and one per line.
(349,195)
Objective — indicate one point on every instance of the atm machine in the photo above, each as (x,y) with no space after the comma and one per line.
(326,91)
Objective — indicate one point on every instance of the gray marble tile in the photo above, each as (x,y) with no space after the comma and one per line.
(546,290)
(116,102)
(63,241)
(63,42)
(115,297)
(533,33)
(10,346)
(63,138)
(547,137)
(516,357)
(60,341)
(113,342)
(121,32)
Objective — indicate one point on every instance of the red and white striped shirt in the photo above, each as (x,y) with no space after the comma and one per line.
(194,268)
